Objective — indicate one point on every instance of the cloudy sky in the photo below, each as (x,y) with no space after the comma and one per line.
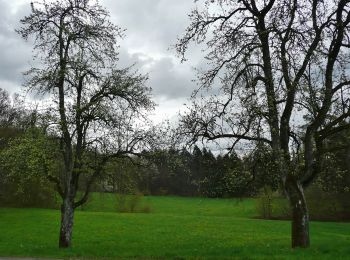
(152,29)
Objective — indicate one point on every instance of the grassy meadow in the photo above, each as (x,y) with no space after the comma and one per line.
(176,227)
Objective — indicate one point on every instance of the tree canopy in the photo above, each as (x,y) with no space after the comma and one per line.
(96,109)
(281,71)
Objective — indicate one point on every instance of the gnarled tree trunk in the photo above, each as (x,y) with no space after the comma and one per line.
(67,216)
(300,214)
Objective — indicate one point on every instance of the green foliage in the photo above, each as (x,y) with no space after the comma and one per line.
(26,162)
(171,173)
(195,173)
(199,173)
(225,177)
(271,205)
(322,205)
(264,203)
(120,176)
(33,192)
(237,183)
(328,205)
(132,203)
(261,164)
(334,176)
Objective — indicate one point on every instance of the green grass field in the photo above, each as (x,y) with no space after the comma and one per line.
(176,227)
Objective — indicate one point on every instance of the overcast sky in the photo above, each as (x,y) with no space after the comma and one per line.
(152,29)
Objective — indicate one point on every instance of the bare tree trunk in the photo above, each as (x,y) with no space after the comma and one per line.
(67,216)
(300,214)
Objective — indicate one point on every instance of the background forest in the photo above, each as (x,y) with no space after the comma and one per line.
(28,152)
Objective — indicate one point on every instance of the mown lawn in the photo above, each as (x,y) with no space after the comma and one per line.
(176,227)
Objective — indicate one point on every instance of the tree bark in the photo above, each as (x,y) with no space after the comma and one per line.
(300,214)
(67,216)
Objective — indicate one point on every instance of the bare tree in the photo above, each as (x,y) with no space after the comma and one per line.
(12,111)
(281,65)
(97,110)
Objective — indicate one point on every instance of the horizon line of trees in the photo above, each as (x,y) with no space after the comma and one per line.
(27,152)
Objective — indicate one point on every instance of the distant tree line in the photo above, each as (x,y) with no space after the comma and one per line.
(194,173)
(199,173)
(28,154)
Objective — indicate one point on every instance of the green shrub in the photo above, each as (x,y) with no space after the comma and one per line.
(264,203)
(33,192)
(271,205)
(131,203)
(328,205)
(25,163)
(324,206)
(281,208)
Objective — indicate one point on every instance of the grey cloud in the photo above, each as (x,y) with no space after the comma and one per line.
(156,23)
(167,78)
(152,28)
(15,53)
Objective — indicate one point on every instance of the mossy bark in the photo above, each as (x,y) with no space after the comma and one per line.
(300,214)
(67,217)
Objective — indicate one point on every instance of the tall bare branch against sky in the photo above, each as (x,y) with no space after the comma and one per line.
(152,27)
